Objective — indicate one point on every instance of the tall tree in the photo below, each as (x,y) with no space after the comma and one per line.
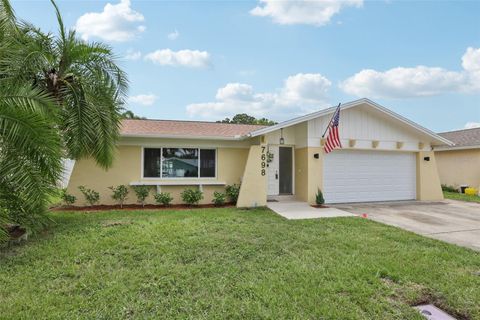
(59,96)
(30,143)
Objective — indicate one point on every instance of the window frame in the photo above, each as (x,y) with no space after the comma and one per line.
(178,178)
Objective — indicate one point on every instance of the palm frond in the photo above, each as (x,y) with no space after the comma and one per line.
(59,20)
(7,17)
(31,153)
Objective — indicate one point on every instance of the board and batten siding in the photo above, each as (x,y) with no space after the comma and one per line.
(365,125)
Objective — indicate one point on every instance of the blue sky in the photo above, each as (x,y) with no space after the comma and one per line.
(200,60)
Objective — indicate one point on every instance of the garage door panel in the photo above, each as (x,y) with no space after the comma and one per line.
(359,176)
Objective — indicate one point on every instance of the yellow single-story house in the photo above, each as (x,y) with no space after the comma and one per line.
(385,157)
(460,164)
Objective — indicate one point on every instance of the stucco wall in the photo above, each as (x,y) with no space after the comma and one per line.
(127,169)
(458,167)
(428,181)
(253,192)
(308,173)
(301,174)
(315,172)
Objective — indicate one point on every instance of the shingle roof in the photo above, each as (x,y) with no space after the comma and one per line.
(172,128)
(463,138)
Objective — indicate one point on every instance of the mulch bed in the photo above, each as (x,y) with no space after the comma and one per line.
(129,207)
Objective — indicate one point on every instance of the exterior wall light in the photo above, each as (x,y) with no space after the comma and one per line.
(282,140)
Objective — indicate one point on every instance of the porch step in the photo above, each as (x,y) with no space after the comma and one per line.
(278,198)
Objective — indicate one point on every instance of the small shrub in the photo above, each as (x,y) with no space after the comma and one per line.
(68,199)
(142,192)
(219,198)
(449,188)
(232,192)
(471,191)
(119,194)
(192,196)
(91,196)
(319,198)
(164,198)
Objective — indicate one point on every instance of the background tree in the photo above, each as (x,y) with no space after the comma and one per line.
(243,118)
(130,115)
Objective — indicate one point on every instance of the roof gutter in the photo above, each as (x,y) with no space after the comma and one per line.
(161,136)
(453,148)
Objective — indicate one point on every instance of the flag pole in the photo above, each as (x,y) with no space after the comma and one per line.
(323,135)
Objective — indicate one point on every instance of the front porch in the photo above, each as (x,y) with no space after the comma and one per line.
(296,210)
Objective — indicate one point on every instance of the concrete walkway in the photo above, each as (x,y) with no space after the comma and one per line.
(294,210)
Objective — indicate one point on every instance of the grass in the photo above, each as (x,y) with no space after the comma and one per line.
(229,263)
(460,196)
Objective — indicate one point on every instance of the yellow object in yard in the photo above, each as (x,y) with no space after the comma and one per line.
(471,191)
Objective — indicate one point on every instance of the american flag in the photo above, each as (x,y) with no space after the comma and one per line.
(333,138)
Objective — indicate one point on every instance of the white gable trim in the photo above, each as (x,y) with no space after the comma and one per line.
(349,105)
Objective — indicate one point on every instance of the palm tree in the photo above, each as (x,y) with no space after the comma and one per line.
(30,157)
(87,85)
(59,97)
(30,143)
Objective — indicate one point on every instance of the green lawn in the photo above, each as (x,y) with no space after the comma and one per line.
(460,196)
(229,263)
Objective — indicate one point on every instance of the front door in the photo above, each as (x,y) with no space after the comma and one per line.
(272,170)
(285,162)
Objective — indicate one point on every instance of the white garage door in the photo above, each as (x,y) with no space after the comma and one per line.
(360,176)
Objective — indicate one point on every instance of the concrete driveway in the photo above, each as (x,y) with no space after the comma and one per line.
(451,221)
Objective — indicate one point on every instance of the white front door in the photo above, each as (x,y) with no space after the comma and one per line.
(362,176)
(273,172)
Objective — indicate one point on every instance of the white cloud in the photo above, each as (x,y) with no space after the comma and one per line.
(471,125)
(117,22)
(305,88)
(471,60)
(316,12)
(133,55)
(143,99)
(418,81)
(471,65)
(173,35)
(300,94)
(235,92)
(186,58)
